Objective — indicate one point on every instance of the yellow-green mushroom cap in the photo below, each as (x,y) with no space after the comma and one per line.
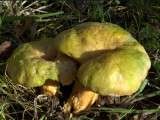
(117,72)
(33,63)
(91,39)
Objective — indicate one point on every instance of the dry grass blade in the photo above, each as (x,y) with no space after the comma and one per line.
(35,109)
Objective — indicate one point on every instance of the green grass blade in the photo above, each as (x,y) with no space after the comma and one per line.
(143,86)
(47,15)
(146,96)
(121,110)
(2,115)
(13,18)
(156,7)
(42,118)
(101,14)
(144,83)
(125,114)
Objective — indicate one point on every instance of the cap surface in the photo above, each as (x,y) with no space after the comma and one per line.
(117,72)
(33,63)
(91,39)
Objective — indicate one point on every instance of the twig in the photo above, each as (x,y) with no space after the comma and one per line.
(2,90)
(41,11)
(43,7)
(151,85)
(30,5)
(15,4)
(156,56)
(46,20)
(22,4)
(26,8)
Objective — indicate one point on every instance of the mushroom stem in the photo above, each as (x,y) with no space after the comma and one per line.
(80,99)
(50,87)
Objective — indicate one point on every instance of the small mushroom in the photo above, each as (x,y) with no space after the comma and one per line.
(117,73)
(37,63)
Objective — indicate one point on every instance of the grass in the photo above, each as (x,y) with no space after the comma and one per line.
(41,16)
(140,18)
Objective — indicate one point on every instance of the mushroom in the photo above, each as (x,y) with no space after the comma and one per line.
(112,62)
(117,73)
(38,64)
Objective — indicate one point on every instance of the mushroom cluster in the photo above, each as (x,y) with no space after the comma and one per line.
(111,62)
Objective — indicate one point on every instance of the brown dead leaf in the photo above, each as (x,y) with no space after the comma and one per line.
(4,46)
(142,116)
(6,49)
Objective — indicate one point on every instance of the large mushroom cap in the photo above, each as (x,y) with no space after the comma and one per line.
(33,63)
(113,62)
(117,72)
(88,40)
